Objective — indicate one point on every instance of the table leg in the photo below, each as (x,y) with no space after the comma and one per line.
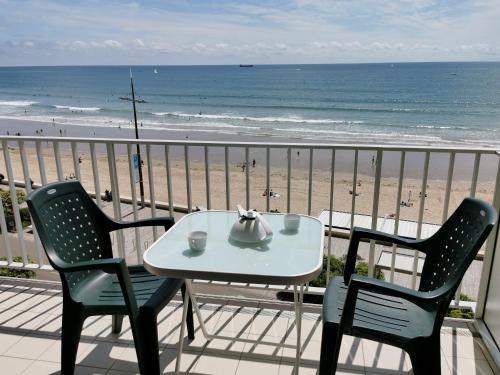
(197,310)
(298,298)
(183,326)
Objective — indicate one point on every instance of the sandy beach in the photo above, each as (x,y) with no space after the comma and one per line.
(321,177)
(278,175)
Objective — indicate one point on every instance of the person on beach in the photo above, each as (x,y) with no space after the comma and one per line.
(253,163)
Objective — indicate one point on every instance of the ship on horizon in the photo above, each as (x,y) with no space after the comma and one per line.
(246,65)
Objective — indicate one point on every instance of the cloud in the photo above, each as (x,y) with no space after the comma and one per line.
(381,46)
(112,44)
(270,31)
(138,43)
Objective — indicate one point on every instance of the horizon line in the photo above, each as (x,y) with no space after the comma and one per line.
(255,64)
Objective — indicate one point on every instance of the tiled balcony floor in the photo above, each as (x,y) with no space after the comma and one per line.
(30,320)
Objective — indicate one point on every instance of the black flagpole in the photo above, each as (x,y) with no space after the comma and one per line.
(141,184)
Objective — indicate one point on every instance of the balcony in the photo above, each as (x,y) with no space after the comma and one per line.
(30,322)
(404,190)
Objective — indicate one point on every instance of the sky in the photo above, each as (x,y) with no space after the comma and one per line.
(179,32)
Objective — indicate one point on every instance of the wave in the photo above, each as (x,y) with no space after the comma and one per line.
(78,109)
(338,136)
(359,133)
(447,127)
(292,119)
(17,103)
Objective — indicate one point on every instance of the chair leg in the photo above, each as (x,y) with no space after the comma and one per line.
(425,357)
(330,349)
(189,318)
(117,323)
(72,323)
(146,342)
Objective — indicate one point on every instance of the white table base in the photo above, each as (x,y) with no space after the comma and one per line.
(298,297)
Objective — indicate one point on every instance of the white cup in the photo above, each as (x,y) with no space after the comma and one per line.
(197,240)
(291,221)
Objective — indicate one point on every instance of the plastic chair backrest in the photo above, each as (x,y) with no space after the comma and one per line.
(452,249)
(71,227)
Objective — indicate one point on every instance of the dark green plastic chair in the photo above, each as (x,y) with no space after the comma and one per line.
(406,318)
(75,235)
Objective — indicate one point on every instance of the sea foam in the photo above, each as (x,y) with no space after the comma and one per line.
(292,119)
(17,103)
(78,109)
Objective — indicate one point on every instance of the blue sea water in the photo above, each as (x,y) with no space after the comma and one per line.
(409,103)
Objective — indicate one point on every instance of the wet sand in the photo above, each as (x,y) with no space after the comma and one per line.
(343,175)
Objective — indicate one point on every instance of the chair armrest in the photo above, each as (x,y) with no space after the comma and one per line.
(357,234)
(165,222)
(370,284)
(111,265)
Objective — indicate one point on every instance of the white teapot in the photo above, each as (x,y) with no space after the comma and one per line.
(251,227)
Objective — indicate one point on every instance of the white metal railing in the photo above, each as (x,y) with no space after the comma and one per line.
(45,159)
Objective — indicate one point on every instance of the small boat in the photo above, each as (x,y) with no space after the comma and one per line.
(130,99)
(246,65)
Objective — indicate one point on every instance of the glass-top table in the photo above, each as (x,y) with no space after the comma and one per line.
(288,258)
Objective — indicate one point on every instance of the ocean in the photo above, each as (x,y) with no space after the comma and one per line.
(400,103)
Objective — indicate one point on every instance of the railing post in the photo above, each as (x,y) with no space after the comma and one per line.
(15,205)
(169,181)
(354,184)
(57,156)
(376,195)
(134,203)
(95,172)
(29,189)
(490,250)
(449,181)
(309,184)
(247,177)
(5,234)
(330,218)
(207,178)
(115,195)
(398,213)
(288,178)
(76,160)
(423,190)
(188,177)
(228,183)
(152,193)
(268,179)
(41,163)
